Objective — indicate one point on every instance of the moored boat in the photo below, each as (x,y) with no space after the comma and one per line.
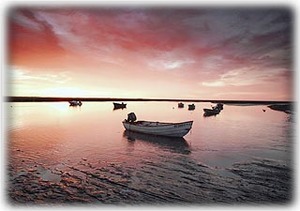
(192,106)
(157,128)
(180,105)
(214,110)
(211,112)
(75,103)
(119,105)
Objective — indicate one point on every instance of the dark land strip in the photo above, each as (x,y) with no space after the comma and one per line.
(285,106)
(59,99)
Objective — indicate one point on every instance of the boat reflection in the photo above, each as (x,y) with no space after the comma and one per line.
(114,109)
(210,114)
(174,144)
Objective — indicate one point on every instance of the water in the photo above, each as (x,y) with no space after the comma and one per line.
(60,154)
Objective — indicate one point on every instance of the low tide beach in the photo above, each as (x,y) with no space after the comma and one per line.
(57,154)
(85,86)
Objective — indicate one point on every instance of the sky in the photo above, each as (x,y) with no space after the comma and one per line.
(151,52)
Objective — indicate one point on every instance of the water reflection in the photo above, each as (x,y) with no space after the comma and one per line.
(83,154)
(173,144)
(114,109)
(209,115)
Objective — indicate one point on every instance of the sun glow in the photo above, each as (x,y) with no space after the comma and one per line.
(140,53)
(64,92)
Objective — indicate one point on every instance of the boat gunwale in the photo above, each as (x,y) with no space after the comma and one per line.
(119,103)
(158,124)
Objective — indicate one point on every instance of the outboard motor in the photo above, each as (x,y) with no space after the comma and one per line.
(220,106)
(131,117)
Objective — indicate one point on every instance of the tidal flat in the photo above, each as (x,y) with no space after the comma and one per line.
(58,154)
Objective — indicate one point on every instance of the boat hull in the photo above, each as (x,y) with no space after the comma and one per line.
(75,103)
(191,107)
(119,105)
(180,105)
(161,129)
(211,112)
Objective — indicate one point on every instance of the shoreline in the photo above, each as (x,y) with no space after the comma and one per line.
(60,99)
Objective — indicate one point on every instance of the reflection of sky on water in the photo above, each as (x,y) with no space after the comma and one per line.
(54,132)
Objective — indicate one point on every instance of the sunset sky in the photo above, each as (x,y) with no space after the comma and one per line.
(188,53)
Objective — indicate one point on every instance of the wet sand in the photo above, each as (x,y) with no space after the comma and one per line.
(178,181)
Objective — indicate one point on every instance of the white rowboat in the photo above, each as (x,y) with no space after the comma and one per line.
(159,128)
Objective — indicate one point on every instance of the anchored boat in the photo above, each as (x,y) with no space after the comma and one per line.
(180,105)
(119,105)
(157,128)
(214,110)
(191,107)
(75,103)
(211,112)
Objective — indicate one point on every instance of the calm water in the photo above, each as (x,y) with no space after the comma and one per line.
(61,154)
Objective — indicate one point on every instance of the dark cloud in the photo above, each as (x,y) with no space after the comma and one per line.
(237,33)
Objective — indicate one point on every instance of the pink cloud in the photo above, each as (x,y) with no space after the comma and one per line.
(199,47)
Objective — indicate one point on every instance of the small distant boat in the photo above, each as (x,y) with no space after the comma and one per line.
(157,128)
(214,110)
(119,105)
(180,105)
(75,103)
(192,106)
(211,112)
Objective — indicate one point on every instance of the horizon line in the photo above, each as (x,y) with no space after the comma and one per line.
(57,99)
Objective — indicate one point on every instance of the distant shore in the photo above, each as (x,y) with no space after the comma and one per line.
(287,108)
(284,106)
(66,99)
